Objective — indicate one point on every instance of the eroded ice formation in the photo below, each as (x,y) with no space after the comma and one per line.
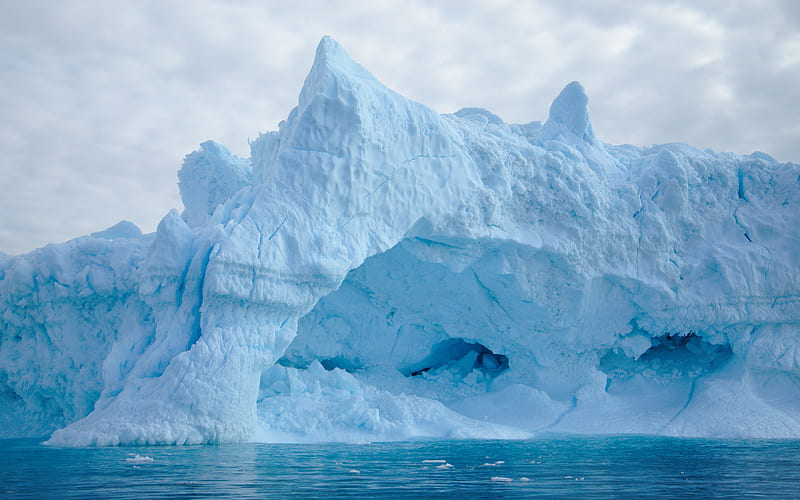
(378,271)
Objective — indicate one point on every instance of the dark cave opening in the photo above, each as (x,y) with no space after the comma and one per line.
(670,355)
(461,356)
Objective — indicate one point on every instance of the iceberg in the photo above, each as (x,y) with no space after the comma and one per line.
(378,271)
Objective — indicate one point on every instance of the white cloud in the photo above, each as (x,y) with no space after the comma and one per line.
(103,98)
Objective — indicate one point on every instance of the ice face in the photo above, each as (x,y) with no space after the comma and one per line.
(377,271)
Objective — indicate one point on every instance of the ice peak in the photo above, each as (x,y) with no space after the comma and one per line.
(209,177)
(122,229)
(331,62)
(569,117)
(343,109)
(329,52)
(328,47)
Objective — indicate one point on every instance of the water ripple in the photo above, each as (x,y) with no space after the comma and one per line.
(585,467)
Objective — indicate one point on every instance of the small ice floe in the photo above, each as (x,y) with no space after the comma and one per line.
(445,466)
(495,464)
(501,479)
(354,471)
(139,459)
(524,479)
(434,461)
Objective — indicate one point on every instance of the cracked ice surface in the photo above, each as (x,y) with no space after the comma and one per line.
(378,271)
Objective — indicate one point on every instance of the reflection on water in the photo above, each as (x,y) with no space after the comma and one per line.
(595,467)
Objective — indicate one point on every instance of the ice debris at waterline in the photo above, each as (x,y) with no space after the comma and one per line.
(377,271)
(139,459)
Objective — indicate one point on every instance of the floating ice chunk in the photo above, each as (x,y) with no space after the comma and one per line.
(501,479)
(434,461)
(445,466)
(354,471)
(524,479)
(139,459)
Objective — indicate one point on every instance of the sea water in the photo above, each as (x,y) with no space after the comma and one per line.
(572,467)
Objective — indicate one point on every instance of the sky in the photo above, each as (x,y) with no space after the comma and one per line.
(102,99)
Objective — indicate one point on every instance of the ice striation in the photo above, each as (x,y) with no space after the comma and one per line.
(377,271)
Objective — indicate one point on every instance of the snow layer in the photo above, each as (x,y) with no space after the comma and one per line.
(378,271)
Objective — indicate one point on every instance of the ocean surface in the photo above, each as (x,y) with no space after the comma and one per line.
(563,467)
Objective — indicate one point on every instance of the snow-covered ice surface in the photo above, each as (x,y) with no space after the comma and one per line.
(377,271)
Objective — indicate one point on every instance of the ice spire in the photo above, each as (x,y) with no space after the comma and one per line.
(569,124)
(569,117)
(331,62)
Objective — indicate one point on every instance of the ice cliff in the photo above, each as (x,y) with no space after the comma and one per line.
(377,271)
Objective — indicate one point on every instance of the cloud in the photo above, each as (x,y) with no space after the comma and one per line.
(103,98)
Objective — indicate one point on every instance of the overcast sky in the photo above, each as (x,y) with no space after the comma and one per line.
(101,99)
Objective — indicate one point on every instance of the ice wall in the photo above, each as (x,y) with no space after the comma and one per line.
(377,271)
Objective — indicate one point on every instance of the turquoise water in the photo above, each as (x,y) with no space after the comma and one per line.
(572,467)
